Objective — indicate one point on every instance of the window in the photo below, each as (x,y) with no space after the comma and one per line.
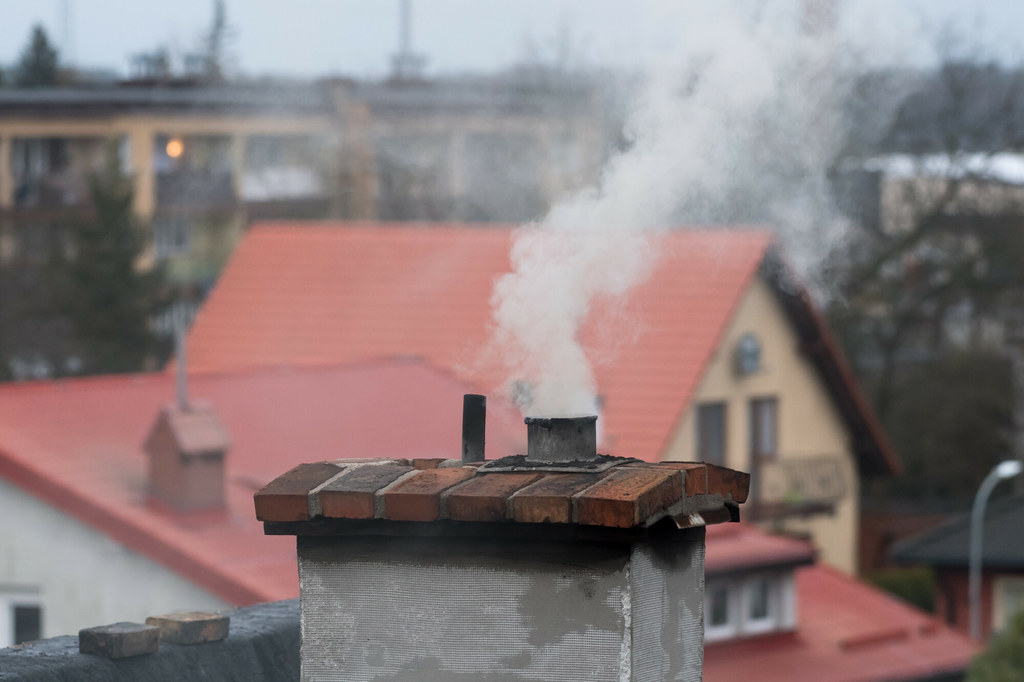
(711,433)
(749,605)
(21,616)
(193,170)
(283,167)
(759,595)
(718,610)
(720,621)
(171,236)
(1009,601)
(763,429)
(27,622)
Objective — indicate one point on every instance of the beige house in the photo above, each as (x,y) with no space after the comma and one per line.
(779,419)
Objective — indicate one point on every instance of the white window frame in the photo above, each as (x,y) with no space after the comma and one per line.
(713,633)
(768,622)
(10,597)
(781,601)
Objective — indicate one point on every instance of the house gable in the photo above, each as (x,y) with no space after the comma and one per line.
(812,435)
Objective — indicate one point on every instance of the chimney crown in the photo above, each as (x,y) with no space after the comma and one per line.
(629,495)
(196,430)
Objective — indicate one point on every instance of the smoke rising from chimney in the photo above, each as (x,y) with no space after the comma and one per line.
(740,126)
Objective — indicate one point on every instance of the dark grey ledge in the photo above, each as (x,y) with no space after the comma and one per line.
(262,645)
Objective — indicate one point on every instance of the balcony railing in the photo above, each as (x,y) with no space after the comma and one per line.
(798,486)
(194,188)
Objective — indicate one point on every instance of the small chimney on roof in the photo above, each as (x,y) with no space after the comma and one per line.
(187,448)
(474,422)
(561,439)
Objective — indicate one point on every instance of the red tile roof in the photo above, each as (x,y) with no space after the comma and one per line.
(737,547)
(846,632)
(328,292)
(309,293)
(78,446)
(628,494)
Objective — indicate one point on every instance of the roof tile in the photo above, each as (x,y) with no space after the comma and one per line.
(699,479)
(627,497)
(485,497)
(351,496)
(287,496)
(549,500)
(418,497)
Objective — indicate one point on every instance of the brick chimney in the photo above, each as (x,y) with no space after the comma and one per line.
(557,565)
(186,447)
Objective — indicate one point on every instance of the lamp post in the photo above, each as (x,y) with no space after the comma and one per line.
(1000,472)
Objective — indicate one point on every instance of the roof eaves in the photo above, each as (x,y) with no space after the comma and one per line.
(768,561)
(875,455)
(947,544)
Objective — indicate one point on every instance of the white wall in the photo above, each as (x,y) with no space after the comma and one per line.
(83,577)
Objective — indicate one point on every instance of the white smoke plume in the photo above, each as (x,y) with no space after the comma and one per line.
(739,126)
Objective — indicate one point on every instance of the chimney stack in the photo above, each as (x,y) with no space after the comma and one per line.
(561,439)
(187,448)
(474,421)
(580,568)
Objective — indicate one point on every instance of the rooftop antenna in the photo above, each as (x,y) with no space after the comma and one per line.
(67,36)
(405,64)
(181,362)
(405,28)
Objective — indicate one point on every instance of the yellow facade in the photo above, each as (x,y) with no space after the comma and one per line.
(142,130)
(811,434)
(214,226)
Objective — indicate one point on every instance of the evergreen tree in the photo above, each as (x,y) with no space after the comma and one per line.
(105,296)
(38,64)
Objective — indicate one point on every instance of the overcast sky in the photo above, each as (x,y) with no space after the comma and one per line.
(356,37)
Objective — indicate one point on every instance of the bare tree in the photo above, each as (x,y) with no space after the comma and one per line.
(930,284)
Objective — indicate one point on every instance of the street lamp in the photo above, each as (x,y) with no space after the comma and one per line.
(1000,472)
